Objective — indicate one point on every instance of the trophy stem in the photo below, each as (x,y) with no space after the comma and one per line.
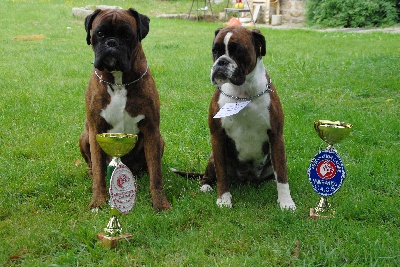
(322,206)
(323,209)
(114,226)
(115,161)
(112,165)
(113,232)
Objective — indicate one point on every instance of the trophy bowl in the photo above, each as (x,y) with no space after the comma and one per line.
(332,132)
(116,144)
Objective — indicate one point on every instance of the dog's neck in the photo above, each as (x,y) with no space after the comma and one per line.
(258,69)
(118,76)
(256,85)
(255,81)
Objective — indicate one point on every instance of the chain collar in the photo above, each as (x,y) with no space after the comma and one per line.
(267,90)
(124,84)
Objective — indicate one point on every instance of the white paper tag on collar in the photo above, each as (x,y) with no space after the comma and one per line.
(230,109)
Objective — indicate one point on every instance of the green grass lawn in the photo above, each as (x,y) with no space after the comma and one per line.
(44,187)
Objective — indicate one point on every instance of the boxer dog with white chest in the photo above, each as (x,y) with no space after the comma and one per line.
(122,97)
(245,118)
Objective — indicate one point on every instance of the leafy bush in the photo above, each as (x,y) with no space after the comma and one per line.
(352,13)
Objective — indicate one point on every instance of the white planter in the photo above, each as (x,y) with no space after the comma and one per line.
(276,20)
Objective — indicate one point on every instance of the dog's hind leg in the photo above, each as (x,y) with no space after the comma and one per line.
(84,147)
(209,178)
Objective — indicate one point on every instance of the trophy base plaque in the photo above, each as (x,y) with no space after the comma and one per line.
(322,210)
(315,215)
(112,241)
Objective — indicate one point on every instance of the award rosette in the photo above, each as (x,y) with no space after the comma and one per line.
(326,172)
(122,189)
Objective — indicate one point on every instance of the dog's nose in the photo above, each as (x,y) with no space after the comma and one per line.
(111,43)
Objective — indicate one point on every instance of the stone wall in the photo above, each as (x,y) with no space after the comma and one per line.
(293,11)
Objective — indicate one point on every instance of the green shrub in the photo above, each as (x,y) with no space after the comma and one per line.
(352,13)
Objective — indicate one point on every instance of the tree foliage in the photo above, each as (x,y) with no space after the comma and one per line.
(352,13)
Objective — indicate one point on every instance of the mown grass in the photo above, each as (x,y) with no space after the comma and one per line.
(45,191)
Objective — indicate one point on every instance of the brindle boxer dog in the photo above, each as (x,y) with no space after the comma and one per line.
(247,143)
(121,97)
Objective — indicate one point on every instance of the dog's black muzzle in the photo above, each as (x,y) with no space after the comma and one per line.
(112,55)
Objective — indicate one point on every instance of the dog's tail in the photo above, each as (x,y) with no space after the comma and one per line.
(189,175)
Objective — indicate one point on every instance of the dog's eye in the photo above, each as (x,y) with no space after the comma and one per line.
(215,52)
(125,35)
(100,34)
(234,48)
(125,32)
(237,49)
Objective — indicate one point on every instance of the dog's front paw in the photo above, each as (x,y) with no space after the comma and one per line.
(95,210)
(285,201)
(225,200)
(160,201)
(206,188)
(97,202)
(288,204)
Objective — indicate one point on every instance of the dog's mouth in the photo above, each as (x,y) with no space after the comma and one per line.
(220,75)
(222,71)
(111,59)
(226,70)
(110,63)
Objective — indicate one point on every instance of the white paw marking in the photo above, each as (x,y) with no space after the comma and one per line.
(206,188)
(95,210)
(285,201)
(225,200)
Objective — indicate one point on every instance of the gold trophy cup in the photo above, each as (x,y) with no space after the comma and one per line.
(326,171)
(122,184)
(332,132)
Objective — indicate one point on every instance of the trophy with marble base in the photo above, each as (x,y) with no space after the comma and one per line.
(326,171)
(122,185)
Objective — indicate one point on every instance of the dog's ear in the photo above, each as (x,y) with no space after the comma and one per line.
(217,31)
(259,42)
(88,24)
(143,23)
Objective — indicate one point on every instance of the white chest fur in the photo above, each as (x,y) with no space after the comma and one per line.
(115,113)
(248,128)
